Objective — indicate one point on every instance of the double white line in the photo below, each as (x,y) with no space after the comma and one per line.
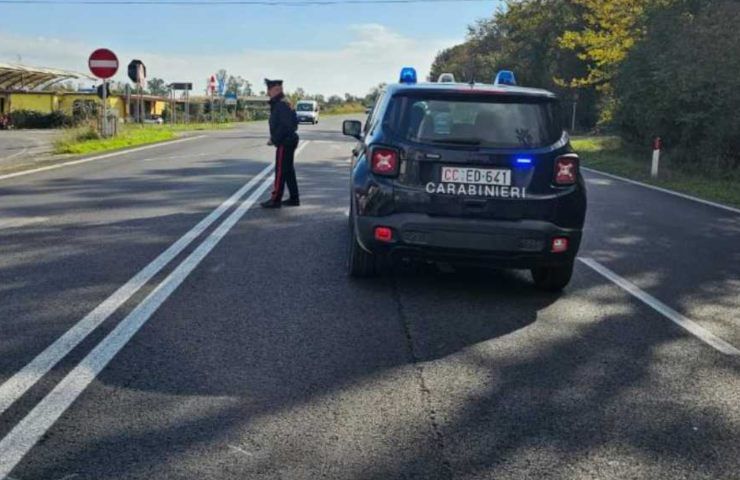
(15,445)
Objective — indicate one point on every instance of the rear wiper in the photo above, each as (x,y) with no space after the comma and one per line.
(458,141)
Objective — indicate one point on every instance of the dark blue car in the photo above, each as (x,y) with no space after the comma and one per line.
(466,174)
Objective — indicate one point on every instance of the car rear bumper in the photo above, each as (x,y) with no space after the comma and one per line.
(508,244)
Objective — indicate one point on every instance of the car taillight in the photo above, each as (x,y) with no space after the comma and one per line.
(383,234)
(566,169)
(384,161)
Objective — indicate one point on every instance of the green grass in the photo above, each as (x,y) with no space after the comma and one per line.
(610,154)
(191,127)
(344,109)
(85,141)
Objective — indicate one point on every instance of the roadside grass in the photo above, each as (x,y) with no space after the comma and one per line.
(344,109)
(609,154)
(86,140)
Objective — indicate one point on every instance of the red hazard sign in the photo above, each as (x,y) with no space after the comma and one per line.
(103,63)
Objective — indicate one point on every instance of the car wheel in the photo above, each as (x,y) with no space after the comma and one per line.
(552,279)
(360,264)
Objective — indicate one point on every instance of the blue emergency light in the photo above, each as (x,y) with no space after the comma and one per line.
(524,161)
(505,77)
(408,75)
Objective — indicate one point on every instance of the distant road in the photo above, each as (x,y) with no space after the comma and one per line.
(156,324)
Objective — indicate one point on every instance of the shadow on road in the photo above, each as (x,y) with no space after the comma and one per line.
(270,348)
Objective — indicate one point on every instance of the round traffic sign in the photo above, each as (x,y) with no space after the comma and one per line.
(103,63)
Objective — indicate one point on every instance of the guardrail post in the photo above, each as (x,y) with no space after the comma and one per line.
(657,145)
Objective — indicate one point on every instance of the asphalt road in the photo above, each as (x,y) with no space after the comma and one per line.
(25,147)
(152,328)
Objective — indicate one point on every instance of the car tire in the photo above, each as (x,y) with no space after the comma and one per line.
(552,279)
(360,264)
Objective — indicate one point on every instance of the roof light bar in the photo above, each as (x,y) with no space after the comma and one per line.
(505,77)
(408,75)
(446,78)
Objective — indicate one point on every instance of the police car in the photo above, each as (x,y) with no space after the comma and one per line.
(458,173)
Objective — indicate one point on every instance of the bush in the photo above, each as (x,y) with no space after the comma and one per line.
(33,119)
(682,83)
(88,134)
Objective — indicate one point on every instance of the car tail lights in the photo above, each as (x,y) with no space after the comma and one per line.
(559,245)
(384,161)
(566,169)
(383,234)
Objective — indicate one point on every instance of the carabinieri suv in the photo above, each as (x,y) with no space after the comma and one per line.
(466,174)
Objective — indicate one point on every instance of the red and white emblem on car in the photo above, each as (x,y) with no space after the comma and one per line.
(384,161)
(565,170)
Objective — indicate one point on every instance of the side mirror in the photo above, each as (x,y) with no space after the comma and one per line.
(352,128)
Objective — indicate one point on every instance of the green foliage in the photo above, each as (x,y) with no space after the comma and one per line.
(344,108)
(682,83)
(668,68)
(611,154)
(524,37)
(86,141)
(157,86)
(33,119)
(609,30)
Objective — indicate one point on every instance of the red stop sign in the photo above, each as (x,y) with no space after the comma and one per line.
(103,63)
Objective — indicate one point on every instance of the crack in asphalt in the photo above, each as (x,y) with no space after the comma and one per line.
(426,394)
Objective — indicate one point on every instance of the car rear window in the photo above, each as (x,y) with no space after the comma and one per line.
(495,121)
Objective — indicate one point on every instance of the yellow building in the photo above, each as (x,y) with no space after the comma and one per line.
(31,88)
(72,103)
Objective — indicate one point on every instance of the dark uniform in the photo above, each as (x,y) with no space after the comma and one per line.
(283,128)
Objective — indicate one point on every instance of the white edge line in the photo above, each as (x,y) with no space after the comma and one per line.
(99,157)
(17,385)
(28,431)
(665,190)
(687,324)
(16,444)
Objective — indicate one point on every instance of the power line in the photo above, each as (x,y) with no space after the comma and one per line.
(287,3)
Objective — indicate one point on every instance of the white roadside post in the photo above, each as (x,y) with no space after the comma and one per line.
(657,144)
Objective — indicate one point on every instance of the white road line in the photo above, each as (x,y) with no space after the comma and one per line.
(687,324)
(15,222)
(99,157)
(28,431)
(18,384)
(665,190)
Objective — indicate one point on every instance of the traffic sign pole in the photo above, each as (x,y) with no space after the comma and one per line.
(103,63)
(105,109)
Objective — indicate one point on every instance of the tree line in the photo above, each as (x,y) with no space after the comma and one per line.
(642,68)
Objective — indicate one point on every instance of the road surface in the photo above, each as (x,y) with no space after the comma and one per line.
(25,147)
(156,323)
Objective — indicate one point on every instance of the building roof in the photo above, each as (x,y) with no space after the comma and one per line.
(17,77)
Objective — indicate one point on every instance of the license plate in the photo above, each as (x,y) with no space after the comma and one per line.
(476,176)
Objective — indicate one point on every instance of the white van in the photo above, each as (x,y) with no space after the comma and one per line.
(307,111)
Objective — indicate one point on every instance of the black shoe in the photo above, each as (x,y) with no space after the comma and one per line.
(270,204)
(292,203)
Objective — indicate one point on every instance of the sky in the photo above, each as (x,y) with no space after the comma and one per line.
(329,49)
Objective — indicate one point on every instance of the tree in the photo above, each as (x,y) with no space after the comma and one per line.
(235,85)
(681,82)
(157,86)
(334,100)
(372,97)
(523,37)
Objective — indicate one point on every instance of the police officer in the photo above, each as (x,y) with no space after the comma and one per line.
(283,127)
